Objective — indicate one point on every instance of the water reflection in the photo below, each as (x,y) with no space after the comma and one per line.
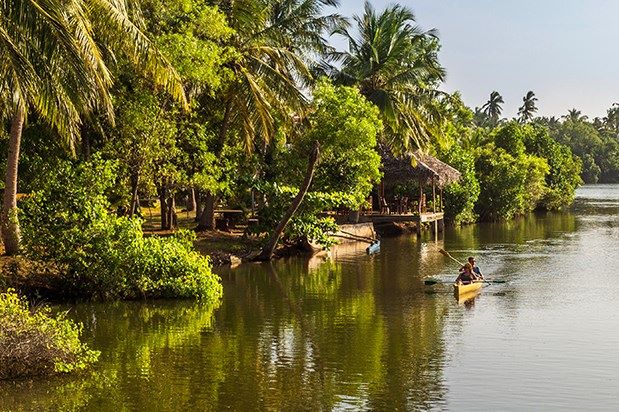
(355,332)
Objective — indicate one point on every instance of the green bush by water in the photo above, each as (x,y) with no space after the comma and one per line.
(68,221)
(34,342)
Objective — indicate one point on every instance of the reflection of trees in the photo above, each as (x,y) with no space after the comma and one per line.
(347,337)
(142,348)
(362,334)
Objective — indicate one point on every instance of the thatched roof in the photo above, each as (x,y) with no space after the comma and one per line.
(415,166)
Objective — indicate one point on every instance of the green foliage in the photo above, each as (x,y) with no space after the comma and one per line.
(67,221)
(523,169)
(460,197)
(595,143)
(510,138)
(35,342)
(395,66)
(192,35)
(346,125)
(564,168)
(308,223)
(458,135)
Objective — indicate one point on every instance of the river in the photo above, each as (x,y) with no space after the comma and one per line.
(353,332)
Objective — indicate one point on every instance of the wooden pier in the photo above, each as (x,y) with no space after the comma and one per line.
(408,217)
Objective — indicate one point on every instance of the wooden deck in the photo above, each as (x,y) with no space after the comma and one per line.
(392,217)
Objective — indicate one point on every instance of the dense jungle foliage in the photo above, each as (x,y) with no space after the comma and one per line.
(207,104)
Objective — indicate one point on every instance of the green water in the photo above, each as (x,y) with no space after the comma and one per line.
(353,332)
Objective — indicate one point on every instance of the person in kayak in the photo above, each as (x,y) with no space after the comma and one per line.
(476,269)
(467,275)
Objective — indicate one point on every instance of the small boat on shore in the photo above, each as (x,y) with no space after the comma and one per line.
(373,248)
(461,289)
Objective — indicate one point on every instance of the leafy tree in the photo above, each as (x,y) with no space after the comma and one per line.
(67,222)
(395,66)
(564,168)
(53,61)
(528,108)
(273,42)
(346,126)
(510,185)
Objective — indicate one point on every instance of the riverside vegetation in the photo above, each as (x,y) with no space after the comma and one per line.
(209,103)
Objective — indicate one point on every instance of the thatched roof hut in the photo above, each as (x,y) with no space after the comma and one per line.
(416,166)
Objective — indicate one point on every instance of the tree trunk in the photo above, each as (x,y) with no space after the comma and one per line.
(207,218)
(269,248)
(135,180)
(172,217)
(191,200)
(163,206)
(199,206)
(9,225)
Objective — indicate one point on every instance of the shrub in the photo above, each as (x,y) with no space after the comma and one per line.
(33,342)
(67,221)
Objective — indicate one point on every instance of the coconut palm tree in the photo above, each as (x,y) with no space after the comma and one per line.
(611,120)
(53,61)
(574,115)
(395,66)
(493,108)
(274,43)
(528,108)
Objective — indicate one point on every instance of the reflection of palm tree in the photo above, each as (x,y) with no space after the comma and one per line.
(395,66)
(528,108)
(493,108)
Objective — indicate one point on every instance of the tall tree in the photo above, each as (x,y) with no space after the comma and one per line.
(395,66)
(574,115)
(611,120)
(493,108)
(528,108)
(274,41)
(52,56)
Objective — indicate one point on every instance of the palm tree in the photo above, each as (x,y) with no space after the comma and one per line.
(274,41)
(611,120)
(493,108)
(52,60)
(528,108)
(395,66)
(574,115)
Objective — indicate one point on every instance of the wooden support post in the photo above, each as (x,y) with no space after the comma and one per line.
(419,206)
(442,200)
(434,209)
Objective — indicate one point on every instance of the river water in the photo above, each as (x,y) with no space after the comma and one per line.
(353,332)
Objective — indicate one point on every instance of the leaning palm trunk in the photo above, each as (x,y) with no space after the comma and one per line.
(9,225)
(269,248)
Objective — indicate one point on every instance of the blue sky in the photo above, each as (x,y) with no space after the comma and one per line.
(566,51)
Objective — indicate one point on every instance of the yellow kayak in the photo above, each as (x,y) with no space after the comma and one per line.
(460,289)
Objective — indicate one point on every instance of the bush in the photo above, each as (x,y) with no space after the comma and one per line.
(460,197)
(67,221)
(37,343)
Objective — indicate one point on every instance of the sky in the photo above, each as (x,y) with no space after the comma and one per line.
(566,51)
